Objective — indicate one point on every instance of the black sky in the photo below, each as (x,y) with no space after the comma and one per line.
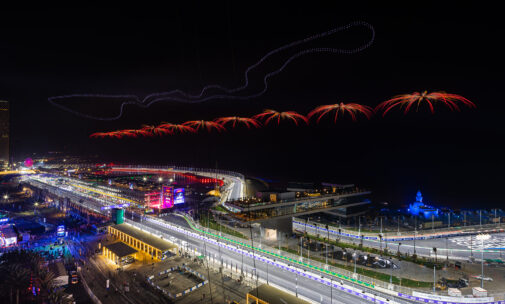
(455,158)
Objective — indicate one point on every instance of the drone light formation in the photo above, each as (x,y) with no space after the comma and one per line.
(226,93)
(341,108)
(235,121)
(407,101)
(268,115)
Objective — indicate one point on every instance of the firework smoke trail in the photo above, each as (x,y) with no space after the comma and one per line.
(269,115)
(180,96)
(351,108)
(416,98)
(235,120)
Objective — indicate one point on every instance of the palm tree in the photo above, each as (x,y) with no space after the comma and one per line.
(45,279)
(58,296)
(17,279)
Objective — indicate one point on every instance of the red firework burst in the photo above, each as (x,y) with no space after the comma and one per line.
(129,132)
(173,128)
(341,108)
(248,122)
(431,99)
(99,135)
(155,130)
(115,134)
(204,124)
(268,115)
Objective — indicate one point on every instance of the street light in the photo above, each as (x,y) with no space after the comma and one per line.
(482,238)
(160,179)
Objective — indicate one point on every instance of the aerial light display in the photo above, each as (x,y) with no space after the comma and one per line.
(176,128)
(222,92)
(204,125)
(271,115)
(407,101)
(235,121)
(156,130)
(353,109)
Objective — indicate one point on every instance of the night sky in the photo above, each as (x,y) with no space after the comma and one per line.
(456,159)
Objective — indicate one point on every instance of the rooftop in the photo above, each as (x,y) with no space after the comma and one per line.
(145,237)
(120,249)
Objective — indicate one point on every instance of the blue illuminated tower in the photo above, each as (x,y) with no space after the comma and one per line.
(419,196)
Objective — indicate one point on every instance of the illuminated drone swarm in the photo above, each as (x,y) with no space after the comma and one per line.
(235,120)
(178,95)
(431,99)
(269,115)
(341,108)
(204,124)
(173,128)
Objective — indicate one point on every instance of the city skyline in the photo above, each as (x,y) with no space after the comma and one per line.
(395,156)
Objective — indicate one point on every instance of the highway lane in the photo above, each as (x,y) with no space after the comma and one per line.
(308,287)
(315,291)
(457,247)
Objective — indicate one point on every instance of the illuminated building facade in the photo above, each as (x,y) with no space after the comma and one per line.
(142,241)
(419,208)
(4,132)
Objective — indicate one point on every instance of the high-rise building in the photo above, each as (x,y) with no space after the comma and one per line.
(4,132)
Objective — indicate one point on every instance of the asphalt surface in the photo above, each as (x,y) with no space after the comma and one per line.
(457,247)
(307,287)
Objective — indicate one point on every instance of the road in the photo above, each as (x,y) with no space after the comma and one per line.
(299,280)
(266,269)
(456,247)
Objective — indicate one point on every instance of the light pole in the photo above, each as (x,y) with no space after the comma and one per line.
(415,237)
(296,286)
(447,249)
(301,248)
(331,290)
(328,243)
(471,245)
(434,278)
(359,225)
(355,258)
(267,273)
(482,238)
(391,276)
